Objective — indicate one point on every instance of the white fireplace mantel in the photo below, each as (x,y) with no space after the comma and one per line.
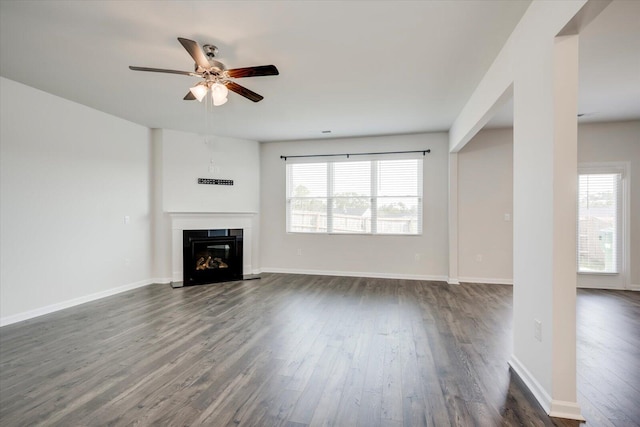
(209,221)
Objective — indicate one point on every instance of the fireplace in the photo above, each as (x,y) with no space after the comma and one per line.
(211,256)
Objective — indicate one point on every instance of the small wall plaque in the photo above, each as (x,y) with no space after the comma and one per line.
(214,181)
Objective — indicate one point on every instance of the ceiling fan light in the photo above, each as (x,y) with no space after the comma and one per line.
(219,93)
(199,91)
(218,102)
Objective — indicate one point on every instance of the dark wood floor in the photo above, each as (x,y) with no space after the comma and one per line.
(609,357)
(298,350)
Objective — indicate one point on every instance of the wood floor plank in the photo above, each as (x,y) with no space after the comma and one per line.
(391,406)
(296,350)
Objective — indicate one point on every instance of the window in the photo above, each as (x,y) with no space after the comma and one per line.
(356,197)
(599,222)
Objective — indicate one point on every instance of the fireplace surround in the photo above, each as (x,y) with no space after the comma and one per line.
(180,221)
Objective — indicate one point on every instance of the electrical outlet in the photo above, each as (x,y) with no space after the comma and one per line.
(417,257)
(299,252)
(127,261)
(507,217)
(479,258)
(537,329)
(127,219)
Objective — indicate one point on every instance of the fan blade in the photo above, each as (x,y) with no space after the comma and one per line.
(241,90)
(195,51)
(263,70)
(189,97)
(162,70)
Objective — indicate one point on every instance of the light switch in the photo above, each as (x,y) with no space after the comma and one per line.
(127,219)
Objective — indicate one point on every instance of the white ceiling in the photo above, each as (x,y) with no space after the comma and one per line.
(353,67)
(609,68)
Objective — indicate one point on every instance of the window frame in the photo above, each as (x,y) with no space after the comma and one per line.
(590,278)
(373,196)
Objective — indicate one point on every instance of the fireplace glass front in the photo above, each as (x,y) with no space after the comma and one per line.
(212,256)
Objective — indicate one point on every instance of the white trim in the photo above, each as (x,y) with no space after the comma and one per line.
(161,280)
(634,287)
(8,320)
(600,286)
(354,274)
(532,384)
(568,410)
(453,281)
(555,408)
(487,280)
(604,167)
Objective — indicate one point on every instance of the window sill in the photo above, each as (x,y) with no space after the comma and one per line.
(354,234)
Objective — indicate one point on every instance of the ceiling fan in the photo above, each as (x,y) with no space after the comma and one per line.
(217,78)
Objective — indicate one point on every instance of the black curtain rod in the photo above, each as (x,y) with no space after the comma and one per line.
(424,152)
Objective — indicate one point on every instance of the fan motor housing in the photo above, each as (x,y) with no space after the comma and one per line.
(210,50)
(216,66)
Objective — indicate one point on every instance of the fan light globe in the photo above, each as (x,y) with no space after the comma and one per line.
(219,93)
(199,92)
(217,103)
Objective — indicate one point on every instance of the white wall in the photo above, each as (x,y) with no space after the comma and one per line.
(422,256)
(486,192)
(69,176)
(187,157)
(618,142)
(485,195)
(180,158)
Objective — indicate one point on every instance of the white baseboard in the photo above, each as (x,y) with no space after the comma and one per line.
(160,280)
(354,274)
(555,408)
(532,384)
(453,281)
(630,287)
(592,286)
(8,320)
(568,410)
(487,280)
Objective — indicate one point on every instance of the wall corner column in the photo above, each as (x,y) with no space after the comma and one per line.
(565,173)
(453,220)
(545,181)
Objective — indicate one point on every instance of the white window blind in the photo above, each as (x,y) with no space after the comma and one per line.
(360,197)
(599,196)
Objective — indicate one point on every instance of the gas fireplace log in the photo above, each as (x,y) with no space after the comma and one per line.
(201,264)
